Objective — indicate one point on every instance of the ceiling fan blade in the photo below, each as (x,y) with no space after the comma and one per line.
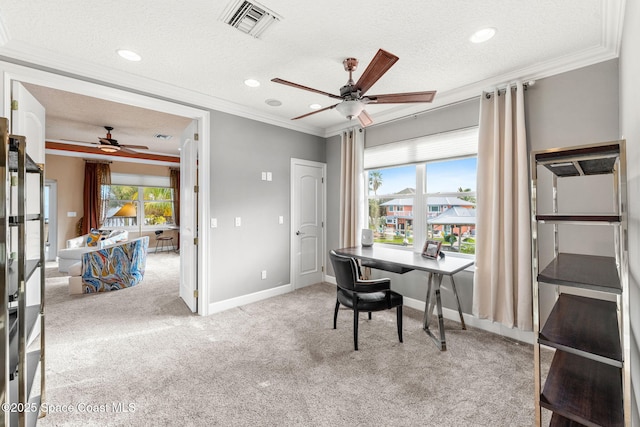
(315,112)
(284,82)
(126,149)
(365,119)
(379,65)
(402,98)
(138,147)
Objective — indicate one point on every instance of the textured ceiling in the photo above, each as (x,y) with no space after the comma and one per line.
(186,46)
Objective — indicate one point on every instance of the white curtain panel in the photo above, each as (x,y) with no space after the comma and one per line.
(351,188)
(502,289)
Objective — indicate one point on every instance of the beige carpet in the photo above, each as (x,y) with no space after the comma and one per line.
(138,357)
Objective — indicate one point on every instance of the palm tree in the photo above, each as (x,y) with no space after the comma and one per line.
(375,181)
(467,198)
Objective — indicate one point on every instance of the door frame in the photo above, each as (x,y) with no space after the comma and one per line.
(53,218)
(125,94)
(292,256)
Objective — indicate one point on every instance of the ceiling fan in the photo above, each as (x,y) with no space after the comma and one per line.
(353,94)
(110,145)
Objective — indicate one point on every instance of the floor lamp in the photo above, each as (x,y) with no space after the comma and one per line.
(129,211)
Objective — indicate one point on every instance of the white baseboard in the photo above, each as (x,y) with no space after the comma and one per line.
(470,320)
(219,306)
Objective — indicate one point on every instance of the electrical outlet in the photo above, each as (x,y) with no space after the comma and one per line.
(264,274)
(280,219)
(214,222)
(264,176)
(238,221)
(269,176)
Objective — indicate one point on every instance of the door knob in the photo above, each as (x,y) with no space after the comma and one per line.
(299,233)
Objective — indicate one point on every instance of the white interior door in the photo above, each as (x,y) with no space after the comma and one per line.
(307,224)
(189,216)
(28,119)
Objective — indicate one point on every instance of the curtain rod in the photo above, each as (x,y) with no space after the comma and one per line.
(525,85)
(107,162)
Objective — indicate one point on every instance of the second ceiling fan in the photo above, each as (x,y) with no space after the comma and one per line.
(353,95)
(110,145)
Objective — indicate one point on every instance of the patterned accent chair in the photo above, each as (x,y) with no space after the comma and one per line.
(111,268)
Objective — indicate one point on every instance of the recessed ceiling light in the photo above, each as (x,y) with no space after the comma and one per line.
(315,106)
(129,55)
(252,83)
(273,102)
(483,35)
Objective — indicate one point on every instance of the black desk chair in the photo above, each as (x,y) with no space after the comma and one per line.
(362,295)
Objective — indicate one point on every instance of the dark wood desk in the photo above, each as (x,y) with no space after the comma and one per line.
(403,261)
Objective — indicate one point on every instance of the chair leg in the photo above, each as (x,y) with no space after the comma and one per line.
(355,329)
(399,314)
(369,315)
(335,314)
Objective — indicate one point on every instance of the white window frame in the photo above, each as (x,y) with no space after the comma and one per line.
(420,152)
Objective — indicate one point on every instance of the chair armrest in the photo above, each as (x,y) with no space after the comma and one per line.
(77,242)
(375,285)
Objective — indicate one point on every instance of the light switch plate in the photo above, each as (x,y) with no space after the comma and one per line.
(214,222)
(71,214)
(238,221)
(280,219)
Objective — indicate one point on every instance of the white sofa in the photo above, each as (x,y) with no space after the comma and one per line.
(78,246)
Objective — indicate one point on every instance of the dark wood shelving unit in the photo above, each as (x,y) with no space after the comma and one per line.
(21,289)
(588,382)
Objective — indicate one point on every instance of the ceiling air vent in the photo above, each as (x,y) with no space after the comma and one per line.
(249,17)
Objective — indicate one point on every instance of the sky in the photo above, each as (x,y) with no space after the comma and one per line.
(445,176)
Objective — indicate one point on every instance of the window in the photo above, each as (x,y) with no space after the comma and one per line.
(431,196)
(157,205)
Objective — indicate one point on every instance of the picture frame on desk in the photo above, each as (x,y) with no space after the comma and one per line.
(431,249)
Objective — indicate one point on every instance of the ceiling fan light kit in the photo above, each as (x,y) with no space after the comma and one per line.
(352,95)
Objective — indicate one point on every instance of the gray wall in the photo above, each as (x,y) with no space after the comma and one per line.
(572,108)
(630,130)
(240,150)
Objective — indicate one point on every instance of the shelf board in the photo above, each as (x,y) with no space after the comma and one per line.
(31,317)
(609,219)
(598,273)
(584,390)
(33,359)
(560,421)
(13,343)
(31,267)
(584,326)
(593,160)
(31,166)
(14,221)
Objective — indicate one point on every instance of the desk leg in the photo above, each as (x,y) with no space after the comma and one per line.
(433,290)
(455,292)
